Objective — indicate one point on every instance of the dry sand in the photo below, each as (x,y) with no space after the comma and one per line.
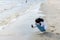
(51,9)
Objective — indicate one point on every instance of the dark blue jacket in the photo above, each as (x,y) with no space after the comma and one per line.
(41,28)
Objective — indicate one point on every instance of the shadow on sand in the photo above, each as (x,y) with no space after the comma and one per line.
(44,36)
(50,35)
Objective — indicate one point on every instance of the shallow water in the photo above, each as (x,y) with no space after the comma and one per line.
(10,8)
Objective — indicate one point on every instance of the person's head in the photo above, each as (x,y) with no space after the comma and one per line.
(38,20)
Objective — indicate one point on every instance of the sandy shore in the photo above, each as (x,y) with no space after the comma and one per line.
(51,9)
(20,30)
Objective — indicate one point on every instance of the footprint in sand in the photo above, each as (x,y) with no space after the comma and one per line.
(52,30)
(57,33)
(52,26)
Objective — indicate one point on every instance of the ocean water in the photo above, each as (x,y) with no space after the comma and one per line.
(10,9)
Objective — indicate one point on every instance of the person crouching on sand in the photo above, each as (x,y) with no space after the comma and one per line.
(40,24)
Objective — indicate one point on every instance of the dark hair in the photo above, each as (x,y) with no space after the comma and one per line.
(39,20)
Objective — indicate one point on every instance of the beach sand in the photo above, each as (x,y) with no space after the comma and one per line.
(51,9)
(20,30)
